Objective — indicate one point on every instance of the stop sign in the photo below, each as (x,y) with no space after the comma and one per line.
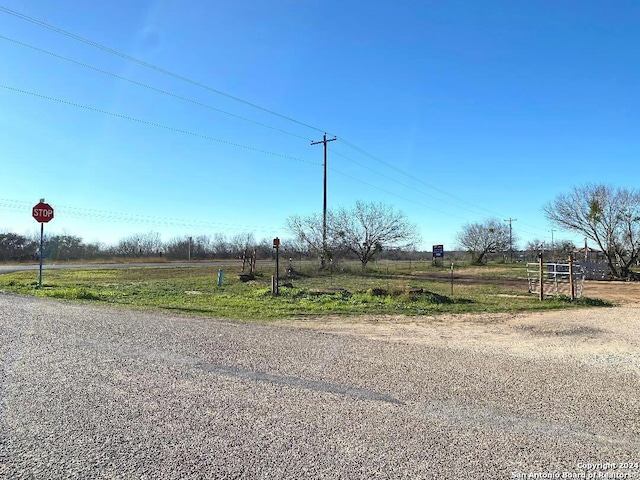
(43,212)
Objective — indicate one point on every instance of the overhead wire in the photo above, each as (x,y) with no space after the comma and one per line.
(359,180)
(155,124)
(405,185)
(149,87)
(195,102)
(151,66)
(219,92)
(430,208)
(121,217)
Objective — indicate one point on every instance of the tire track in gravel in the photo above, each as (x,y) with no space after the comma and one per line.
(246,374)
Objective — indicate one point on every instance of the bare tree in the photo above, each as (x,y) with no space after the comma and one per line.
(609,216)
(563,248)
(308,233)
(364,230)
(140,244)
(482,238)
(187,246)
(241,244)
(535,245)
(368,228)
(220,246)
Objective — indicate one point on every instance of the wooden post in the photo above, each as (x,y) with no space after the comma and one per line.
(275,280)
(572,287)
(541,278)
(252,263)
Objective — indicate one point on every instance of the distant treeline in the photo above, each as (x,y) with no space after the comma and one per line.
(19,248)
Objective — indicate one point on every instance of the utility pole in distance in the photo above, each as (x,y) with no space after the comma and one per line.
(510,220)
(324,203)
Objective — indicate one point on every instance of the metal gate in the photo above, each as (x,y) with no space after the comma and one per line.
(555,279)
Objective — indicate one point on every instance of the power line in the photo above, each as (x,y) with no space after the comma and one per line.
(120,217)
(418,180)
(195,102)
(149,87)
(429,207)
(154,124)
(405,185)
(219,92)
(411,176)
(150,65)
(223,141)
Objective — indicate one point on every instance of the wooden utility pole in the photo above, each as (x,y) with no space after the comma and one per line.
(511,237)
(324,202)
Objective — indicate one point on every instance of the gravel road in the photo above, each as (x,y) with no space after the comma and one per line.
(95,392)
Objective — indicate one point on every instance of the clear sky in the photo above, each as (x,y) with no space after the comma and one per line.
(451,111)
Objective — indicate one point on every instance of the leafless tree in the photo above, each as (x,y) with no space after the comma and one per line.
(480,239)
(609,216)
(368,228)
(307,233)
(560,248)
(140,244)
(181,248)
(221,246)
(364,230)
(242,243)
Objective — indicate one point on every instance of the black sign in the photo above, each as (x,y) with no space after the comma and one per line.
(438,251)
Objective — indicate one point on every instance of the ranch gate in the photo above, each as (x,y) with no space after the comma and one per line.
(556,279)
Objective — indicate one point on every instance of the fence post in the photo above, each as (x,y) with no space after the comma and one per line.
(572,287)
(541,279)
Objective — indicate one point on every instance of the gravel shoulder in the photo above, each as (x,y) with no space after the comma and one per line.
(599,336)
(94,392)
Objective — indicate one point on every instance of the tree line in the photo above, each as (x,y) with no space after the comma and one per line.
(608,216)
(64,247)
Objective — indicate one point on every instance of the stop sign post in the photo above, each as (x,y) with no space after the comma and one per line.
(43,213)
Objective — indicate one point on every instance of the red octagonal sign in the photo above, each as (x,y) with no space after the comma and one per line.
(43,212)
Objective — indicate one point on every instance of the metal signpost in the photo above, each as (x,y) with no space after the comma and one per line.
(43,213)
(438,252)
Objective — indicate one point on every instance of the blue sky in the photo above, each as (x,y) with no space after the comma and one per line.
(458,111)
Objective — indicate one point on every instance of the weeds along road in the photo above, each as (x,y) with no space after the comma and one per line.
(94,392)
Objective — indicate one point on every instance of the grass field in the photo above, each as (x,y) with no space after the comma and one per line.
(386,288)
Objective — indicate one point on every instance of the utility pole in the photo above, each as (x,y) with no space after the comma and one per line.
(510,220)
(553,247)
(324,202)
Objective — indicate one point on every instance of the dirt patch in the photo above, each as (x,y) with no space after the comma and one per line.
(616,292)
(597,336)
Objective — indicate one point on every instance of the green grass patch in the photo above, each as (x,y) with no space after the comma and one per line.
(375,291)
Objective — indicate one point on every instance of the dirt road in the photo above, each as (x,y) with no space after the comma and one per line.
(94,392)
